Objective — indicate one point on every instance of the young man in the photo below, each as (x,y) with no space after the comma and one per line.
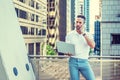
(83,41)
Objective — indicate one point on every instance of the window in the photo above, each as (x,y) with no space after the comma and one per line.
(118,15)
(31,48)
(32,17)
(23,14)
(36,31)
(24,29)
(37,48)
(22,1)
(115,38)
(37,18)
(32,3)
(37,5)
(81,9)
(32,31)
(17,11)
(42,32)
(52,0)
(44,21)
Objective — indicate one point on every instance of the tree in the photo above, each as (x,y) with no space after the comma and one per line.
(50,50)
(91,51)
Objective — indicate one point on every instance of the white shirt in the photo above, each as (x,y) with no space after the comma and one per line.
(81,47)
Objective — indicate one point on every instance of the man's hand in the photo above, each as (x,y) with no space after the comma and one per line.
(80,30)
(68,54)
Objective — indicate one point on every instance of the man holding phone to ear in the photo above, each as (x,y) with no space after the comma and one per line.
(83,41)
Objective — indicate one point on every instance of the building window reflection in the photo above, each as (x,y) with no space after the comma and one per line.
(31,48)
(23,14)
(24,29)
(115,38)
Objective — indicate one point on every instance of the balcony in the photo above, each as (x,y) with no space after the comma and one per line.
(56,67)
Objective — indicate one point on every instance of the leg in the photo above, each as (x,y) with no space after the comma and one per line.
(87,71)
(73,69)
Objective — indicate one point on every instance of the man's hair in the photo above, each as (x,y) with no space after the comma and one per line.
(81,16)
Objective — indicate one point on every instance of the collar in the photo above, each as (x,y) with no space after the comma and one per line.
(77,32)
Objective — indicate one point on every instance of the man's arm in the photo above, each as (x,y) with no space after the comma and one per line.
(89,41)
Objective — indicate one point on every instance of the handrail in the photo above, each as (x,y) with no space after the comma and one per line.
(64,56)
(101,66)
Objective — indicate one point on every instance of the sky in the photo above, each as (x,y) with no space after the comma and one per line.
(94,10)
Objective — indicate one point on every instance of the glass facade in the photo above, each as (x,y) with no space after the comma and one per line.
(110,27)
(97,37)
(72,13)
(86,13)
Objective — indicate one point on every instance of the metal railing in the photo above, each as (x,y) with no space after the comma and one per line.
(56,67)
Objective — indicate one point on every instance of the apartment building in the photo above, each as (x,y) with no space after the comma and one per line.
(32,16)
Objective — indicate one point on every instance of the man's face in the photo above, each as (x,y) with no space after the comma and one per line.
(79,23)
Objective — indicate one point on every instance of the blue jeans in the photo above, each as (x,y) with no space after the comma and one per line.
(77,66)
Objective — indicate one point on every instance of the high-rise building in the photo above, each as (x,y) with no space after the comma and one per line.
(59,20)
(68,16)
(79,7)
(52,21)
(97,36)
(86,13)
(110,26)
(32,16)
(72,14)
(63,19)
